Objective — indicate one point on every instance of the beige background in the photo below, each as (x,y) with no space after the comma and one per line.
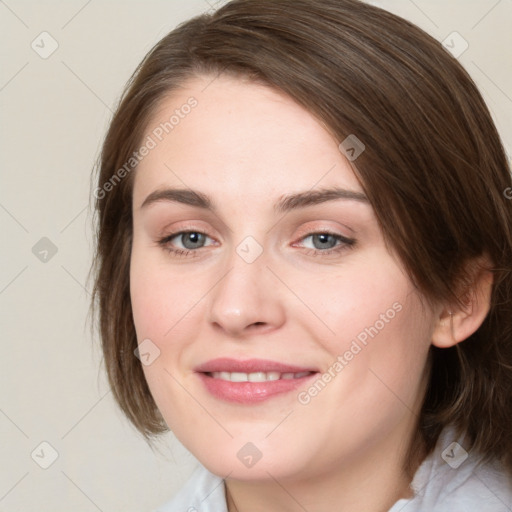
(54,114)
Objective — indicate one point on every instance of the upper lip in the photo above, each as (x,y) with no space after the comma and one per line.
(226,364)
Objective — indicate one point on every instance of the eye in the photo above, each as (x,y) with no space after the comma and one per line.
(328,243)
(190,242)
(324,243)
(192,239)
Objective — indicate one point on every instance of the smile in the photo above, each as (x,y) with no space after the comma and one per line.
(251,381)
(257,376)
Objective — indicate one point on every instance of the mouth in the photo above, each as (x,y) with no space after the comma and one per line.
(251,381)
(256,376)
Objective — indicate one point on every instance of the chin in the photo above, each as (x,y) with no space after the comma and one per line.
(248,461)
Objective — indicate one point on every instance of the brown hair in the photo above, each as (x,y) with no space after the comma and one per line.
(434,170)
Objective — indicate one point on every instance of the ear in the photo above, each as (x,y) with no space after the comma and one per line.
(456,322)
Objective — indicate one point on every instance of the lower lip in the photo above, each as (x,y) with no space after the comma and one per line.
(250,392)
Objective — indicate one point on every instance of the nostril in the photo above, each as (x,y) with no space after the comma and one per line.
(256,324)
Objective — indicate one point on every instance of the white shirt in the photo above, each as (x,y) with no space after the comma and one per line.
(448,480)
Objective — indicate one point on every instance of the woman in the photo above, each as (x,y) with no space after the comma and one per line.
(370,374)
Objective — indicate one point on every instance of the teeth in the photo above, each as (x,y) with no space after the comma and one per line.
(257,376)
(237,377)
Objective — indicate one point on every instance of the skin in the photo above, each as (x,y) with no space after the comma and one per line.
(246,146)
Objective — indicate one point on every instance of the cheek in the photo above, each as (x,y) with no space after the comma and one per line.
(162,311)
(148,305)
(161,301)
(383,340)
(361,300)
(379,333)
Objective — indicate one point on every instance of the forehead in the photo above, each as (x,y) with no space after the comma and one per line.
(247,139)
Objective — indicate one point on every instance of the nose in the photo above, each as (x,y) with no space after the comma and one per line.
(246,298)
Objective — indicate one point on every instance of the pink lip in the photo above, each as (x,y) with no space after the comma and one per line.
(225,364)
(249,392)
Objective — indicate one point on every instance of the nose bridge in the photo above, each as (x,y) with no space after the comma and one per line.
(244,294)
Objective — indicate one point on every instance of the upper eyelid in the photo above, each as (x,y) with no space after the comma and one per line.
(304,231)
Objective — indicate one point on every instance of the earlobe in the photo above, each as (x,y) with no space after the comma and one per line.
(444,335)
(456,322)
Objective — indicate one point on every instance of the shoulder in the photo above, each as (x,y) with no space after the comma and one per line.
(454,480)
(202,492)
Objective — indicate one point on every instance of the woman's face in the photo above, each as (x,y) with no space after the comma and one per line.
(279,336)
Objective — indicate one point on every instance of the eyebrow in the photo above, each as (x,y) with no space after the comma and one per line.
(285,204)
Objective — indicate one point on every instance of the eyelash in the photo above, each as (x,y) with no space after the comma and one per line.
(346,243)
